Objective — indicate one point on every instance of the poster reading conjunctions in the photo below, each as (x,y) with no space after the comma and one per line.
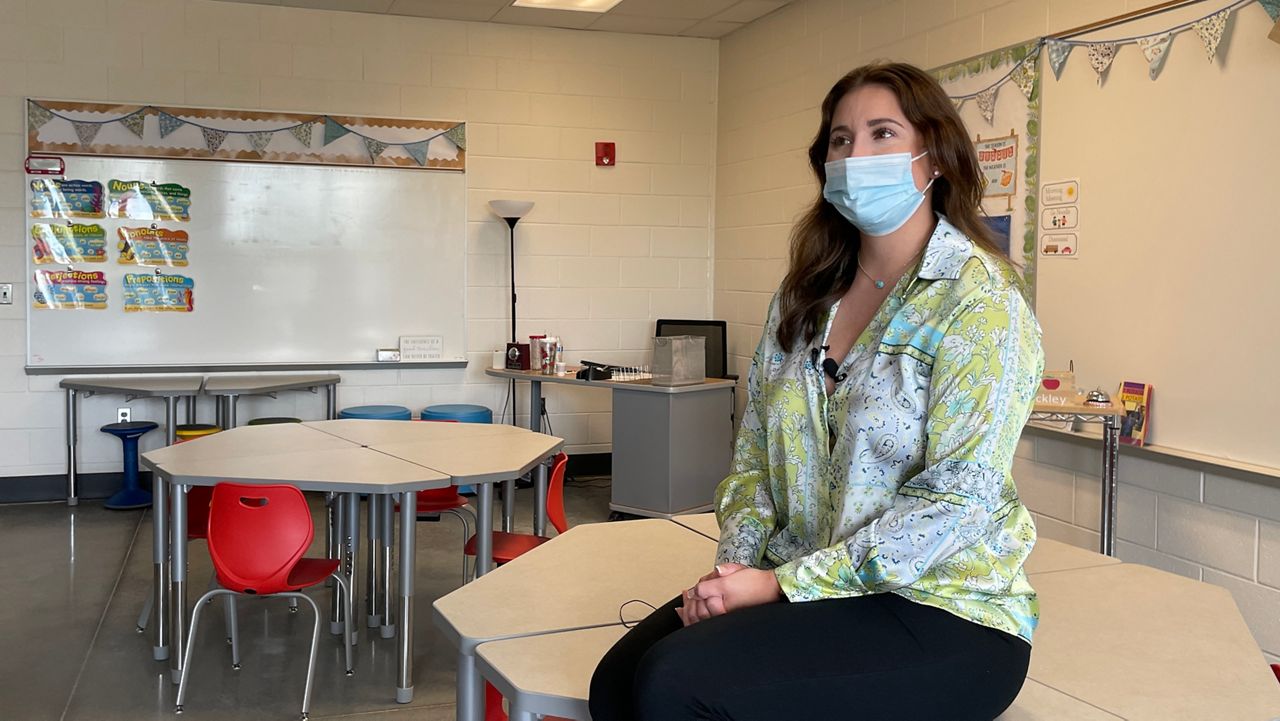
(66,244)
(152,247)
(70,290)
(158,293)
(58,198)
(139,200)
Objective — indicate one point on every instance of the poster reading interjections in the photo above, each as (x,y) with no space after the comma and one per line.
(58,198)
(66,244)
(70,290)
(158,292)
(152,246)
(139,200)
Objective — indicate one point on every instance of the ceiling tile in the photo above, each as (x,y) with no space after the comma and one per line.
(711,29)
(448,9)
(546,18)
(669,9)
(611,22)
(355,6)
(748,10)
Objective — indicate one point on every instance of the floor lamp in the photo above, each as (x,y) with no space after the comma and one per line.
(512,211)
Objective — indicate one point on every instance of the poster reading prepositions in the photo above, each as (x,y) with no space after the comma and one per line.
(158,293)
(58,198)
(152,247)
(139,200)
(70,290)
(66,244)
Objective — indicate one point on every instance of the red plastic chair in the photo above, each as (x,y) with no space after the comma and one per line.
(257,535)
(508,546)
(432,503)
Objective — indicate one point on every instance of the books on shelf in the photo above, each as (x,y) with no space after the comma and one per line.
(1135,427)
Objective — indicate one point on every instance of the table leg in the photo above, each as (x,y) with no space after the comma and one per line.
(338,532)
(178,572)
(540,472)
(170,420)
(73,486)
(373,564)
(509,505)
(331,401)
(231,411)
(387,509)
(219,413)
(484,528)
(470,693)
(351,546)
(160,567)
(1110,455)
(191,409)
(408,546)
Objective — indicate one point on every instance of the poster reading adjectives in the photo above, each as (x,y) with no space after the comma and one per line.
(152,246)
(70,290)
(66,244)
(138,200)
(58,198)
(158,293)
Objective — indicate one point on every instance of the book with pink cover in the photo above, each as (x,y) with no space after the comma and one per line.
(1135,427)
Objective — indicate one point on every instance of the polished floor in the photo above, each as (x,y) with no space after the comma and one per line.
(73,581)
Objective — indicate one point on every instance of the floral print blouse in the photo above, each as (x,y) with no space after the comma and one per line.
(899,481)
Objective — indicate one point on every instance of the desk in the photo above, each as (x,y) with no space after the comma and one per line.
(1109,417)
(671,445)
(579,579)
(316,457)
(227,389)
(170,388)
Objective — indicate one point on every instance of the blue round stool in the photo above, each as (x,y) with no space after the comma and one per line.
(130,495)
(460,412)
(377,413)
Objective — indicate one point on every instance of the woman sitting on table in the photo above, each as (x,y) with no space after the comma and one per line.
(872,540)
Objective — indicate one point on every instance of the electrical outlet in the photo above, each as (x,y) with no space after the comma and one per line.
(124,415)
(6,293)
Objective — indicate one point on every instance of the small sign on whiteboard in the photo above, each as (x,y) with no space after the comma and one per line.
(421,347)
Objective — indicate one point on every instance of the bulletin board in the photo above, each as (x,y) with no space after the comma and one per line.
(273,264)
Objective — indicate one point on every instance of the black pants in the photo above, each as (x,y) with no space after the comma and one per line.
(866,658)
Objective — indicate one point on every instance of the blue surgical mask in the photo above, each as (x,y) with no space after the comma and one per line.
(877,193)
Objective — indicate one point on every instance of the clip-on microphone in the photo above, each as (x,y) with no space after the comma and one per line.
(829,365)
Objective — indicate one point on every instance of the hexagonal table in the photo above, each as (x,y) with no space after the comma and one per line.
(380,458)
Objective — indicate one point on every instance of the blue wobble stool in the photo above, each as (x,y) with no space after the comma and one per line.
(460,412)
(377,413)
(130,495)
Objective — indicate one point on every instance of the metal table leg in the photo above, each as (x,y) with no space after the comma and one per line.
(178,572)
(191,409)
(170,420)
(331,401)
(338,533)
(351,546)
(160,567)
(387,509)
(231,411)
(1110,456)
(408,545)
(540,472)
(484,528)
(73,486)
(470,693)
(373,564)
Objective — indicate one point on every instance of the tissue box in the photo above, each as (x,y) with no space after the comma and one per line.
(679,360)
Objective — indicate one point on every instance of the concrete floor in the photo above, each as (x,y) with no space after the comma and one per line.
(74,581)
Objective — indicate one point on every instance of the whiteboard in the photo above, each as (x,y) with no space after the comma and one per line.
(291,264)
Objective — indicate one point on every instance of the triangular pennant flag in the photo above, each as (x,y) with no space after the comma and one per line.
(333,130)
(418,150)
(302,133)
(375,148)
(213,138)
(169,123)
(457,135)
(958,103)
(1210,31)
(37,115)
(135,122)
(1155,48)
(987,103)
(259,141)
(86,132)
(1100,57)
(1272,7)
(1058,53)
(1025,76)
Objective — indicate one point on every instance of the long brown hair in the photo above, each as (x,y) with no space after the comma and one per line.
(824,246)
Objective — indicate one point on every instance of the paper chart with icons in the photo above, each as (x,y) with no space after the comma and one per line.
(158,293)
(66,244)
(1060,219)
(152,246)
(69,290)
(141,200)
(65,198)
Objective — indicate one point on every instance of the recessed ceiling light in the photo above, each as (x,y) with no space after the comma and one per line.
(586,6)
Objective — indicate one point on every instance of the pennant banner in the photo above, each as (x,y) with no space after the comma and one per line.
(1100,57)
(86,132)
(1025,76)
(259,141)
(135,123)
(1210,31)
(333,130)
(458,136)
(418,151)
(37,115)
(1058,53)
(168,124)
(1155,49)
(213,139)
(958,102)
(375,147)
(303,133)
(987,103)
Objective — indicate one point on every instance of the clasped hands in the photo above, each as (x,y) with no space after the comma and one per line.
(729,587)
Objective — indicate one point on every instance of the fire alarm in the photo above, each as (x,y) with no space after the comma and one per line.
(605,154)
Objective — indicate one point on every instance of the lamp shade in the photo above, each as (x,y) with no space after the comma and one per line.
(511,208)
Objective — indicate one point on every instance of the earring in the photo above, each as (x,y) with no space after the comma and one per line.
(936,173)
